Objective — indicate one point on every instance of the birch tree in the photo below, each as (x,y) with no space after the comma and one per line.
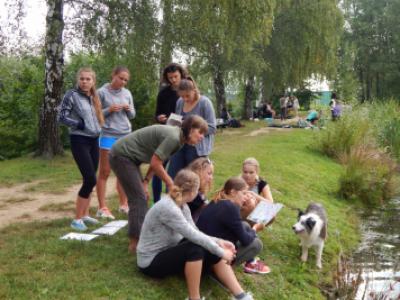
(49,140)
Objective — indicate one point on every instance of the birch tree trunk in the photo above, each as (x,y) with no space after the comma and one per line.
(49,138)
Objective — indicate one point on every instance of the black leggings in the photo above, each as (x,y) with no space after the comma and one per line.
(85,151)
(172,261)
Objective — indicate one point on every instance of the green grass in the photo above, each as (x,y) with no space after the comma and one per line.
(46,175)
(34,263)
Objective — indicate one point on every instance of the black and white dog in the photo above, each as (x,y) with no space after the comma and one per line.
(312,230)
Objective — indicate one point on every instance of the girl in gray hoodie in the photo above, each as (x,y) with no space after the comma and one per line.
(118,110)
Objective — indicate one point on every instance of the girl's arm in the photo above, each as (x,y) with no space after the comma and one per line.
(64,115)
(209,116)
(130,110)
(266,193)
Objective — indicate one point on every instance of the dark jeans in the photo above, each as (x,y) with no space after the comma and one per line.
(247,253)
(156,185)
(172,260)
(128,174)
(85,151)
(181,159)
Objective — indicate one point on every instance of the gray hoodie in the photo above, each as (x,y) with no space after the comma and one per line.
(116,124)
(78,113)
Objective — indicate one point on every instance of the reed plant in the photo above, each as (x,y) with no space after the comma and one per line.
(367,142)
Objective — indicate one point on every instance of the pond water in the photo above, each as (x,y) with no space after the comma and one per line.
(378,255)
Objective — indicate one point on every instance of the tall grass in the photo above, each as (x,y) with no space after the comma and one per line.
(367,142)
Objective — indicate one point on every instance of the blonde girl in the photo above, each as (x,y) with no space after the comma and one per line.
(170,243)
(204,168)
(81,111)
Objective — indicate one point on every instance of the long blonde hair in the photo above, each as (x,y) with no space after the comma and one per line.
(197,166)
(234,183)
(188,84)
(93,93)
(185,181)
(251,161)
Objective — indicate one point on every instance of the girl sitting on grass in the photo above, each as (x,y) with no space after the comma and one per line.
(259,188)
(221,218)
(170,243)
(204,168)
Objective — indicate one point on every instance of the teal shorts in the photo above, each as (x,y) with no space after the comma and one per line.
(106,142)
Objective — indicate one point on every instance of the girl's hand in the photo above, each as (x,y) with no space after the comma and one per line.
(229,256)
(162,118)
(227,245)
(114,108)
(126,107)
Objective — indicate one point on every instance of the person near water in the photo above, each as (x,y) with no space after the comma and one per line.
(170,243)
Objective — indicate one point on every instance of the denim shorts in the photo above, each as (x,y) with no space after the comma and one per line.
(106,142)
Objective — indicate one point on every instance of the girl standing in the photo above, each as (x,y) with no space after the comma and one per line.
(81,111)
(118,110)
(170,243)
(192,103)
(166,104)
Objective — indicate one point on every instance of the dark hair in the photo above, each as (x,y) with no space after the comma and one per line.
(171,68)
(334,96)
(193,122)
(120,69)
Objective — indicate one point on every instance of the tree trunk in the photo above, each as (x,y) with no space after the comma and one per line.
(249,97)
(49,138)
(167,35)
(219,88)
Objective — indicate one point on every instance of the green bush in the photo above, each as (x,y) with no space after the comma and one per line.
(21,90)
(369,175)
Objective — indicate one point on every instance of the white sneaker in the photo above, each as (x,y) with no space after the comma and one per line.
(123,209)
(90,220)
(248,296)
(105,213)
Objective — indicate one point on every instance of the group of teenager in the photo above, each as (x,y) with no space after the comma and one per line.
(182,231)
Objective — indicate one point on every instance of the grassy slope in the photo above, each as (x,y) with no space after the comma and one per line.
(34,263)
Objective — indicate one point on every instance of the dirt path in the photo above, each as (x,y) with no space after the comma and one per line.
(19,205)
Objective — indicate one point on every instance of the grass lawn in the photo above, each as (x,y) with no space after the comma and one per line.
(34,263)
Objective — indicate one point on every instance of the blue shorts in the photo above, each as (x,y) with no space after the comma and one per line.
(106,142)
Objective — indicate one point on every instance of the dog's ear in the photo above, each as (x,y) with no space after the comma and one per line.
(310,223)
(300,213)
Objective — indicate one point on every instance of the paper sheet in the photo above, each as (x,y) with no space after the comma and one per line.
(111,228)
(264,212)
(79,236)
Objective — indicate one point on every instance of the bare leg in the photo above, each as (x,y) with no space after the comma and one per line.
(304,254)
(104,172)
(193,276)
(225,274)
(82,204)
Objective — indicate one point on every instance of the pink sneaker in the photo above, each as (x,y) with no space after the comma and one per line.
(256,266)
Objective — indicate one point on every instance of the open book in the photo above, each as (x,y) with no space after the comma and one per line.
(174,120)
(264,212)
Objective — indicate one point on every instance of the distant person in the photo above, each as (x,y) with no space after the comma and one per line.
(225,115)
(313,117)
(267,111)
(170,243)
(221,218)
(337,111)
(166,104)
(204,168)
(80,110)
(283,107)
(153,145)
(296,106)
(191,102)
(332,103)
(118,110)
